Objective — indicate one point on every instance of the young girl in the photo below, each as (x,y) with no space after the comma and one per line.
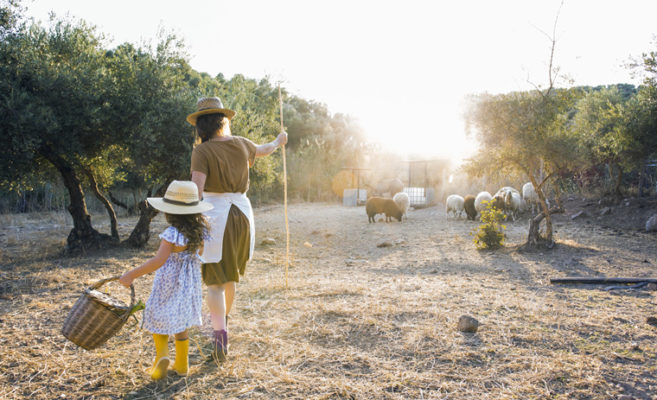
(176,298)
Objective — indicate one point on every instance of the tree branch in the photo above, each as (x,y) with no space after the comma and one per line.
(108,206)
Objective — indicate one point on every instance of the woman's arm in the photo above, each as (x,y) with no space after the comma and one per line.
(149,266)
(268,148)
(199,179)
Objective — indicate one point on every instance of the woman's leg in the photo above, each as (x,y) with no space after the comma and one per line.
(181,365)
(216,300)
(217,305)
(229,290)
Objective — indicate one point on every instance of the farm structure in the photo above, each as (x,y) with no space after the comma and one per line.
(355,195)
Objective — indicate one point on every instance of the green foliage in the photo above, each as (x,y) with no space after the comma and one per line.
(598,122)
(120,113)
(490,233)
(320,145)
(521,131)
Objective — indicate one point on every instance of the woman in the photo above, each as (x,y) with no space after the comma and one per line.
(220,169)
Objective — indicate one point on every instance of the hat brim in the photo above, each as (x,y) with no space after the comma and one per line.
(191,118)
(159,204)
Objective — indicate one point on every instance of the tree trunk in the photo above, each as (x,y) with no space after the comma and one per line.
(83,236)
(141,232)
(534,236)
(106,203)
(619,179)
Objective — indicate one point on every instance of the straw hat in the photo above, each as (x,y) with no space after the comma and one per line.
(181,198)
(209,105)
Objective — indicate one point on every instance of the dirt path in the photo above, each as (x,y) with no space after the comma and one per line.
(361,321)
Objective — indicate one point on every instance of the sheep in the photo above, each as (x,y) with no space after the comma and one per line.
(469,206)
(531,199)
(481,197)
(506,189)
(498,203)
(403,202)
(454,203)
(379,205)
(512,204)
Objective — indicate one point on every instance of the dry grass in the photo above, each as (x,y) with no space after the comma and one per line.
(357,321)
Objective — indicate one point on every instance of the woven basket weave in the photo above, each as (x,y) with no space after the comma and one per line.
(96,317)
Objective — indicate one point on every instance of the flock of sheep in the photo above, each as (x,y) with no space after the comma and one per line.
(507,199)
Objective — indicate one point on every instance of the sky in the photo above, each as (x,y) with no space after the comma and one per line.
(402,69)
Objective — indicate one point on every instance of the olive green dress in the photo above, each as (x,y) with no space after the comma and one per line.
(226,166)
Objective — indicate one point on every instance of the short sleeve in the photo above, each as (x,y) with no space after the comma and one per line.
(172,235)
(250,149)
(200,161)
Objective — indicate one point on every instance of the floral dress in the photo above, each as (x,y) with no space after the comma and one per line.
(176,298)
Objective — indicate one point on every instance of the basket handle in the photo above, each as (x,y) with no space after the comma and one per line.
(116,278)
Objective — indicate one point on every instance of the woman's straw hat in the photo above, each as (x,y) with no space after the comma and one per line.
(181,198)
(209,105)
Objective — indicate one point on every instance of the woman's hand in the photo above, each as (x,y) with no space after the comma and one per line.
(126,279)
(268,148)
(281,139)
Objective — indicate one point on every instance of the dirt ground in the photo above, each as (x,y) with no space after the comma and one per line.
(358,321)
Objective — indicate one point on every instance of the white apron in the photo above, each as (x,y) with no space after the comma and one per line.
(217,217)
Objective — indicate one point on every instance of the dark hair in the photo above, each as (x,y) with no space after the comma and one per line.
(209,124)
(192,226)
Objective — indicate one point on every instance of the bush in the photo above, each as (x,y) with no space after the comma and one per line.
(490,234)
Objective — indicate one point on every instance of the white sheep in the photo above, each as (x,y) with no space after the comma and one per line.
(403,201)
(506,189)
(512,200)
(513,204)
(531,199)
(454,203)
(481,197)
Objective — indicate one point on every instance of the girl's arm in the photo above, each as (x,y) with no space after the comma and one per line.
(268,148)
(149,266)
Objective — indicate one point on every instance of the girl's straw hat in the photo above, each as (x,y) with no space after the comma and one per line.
(209,105)
(181,198)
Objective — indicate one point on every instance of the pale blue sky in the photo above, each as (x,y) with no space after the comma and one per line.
(401,68)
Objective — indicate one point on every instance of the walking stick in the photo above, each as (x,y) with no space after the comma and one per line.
(287,225)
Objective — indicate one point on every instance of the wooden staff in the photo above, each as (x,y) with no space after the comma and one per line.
(287,225)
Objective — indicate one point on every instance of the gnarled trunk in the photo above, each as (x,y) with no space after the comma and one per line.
(534,236)
(141,232)
(83,236)
(108,206)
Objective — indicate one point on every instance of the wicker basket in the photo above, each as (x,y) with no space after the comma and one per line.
(96,317)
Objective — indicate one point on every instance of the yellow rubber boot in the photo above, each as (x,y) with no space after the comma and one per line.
(181,365)
(161,362)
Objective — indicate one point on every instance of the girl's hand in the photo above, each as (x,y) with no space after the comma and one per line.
(281,139)
(126,279)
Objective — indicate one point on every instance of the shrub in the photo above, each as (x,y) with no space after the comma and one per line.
(490,234)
